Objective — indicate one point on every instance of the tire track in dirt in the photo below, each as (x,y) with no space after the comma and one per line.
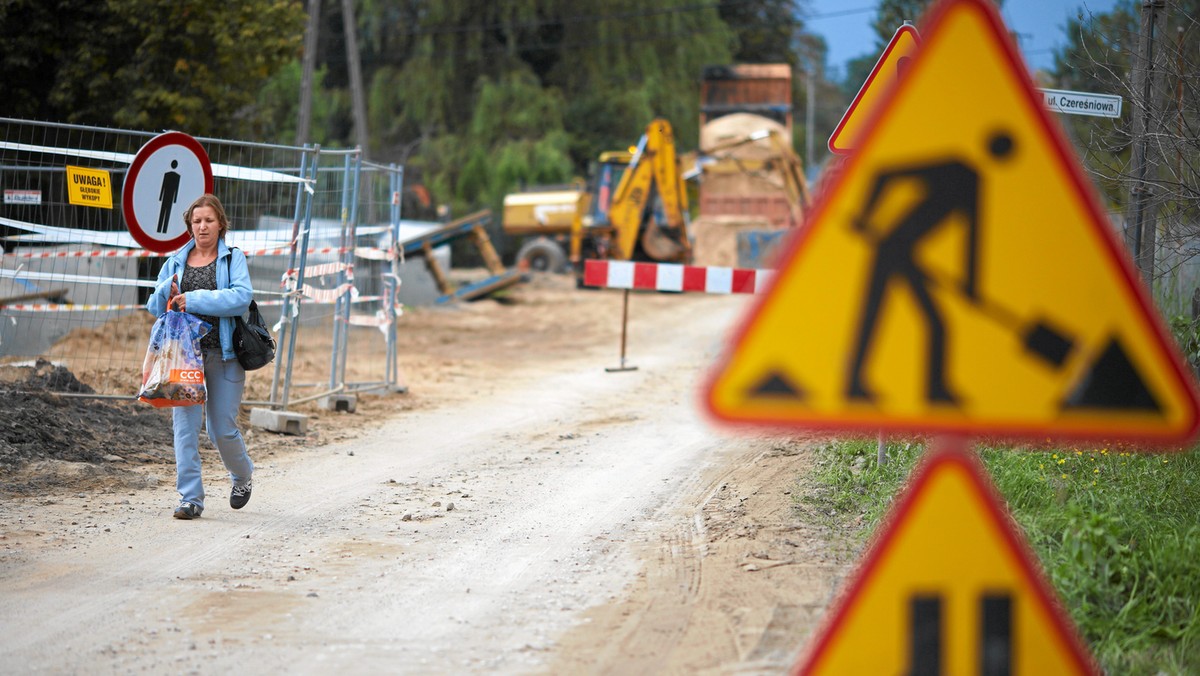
(736,583)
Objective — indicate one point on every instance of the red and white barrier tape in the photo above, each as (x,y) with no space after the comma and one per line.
(329,295)
(110,253)
(66,307)
(674,277)
(80,307)
(371,253)
(325,269)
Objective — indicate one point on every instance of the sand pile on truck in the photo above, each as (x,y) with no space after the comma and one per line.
(742,189)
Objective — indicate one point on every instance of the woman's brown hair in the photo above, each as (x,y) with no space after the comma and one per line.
(208,200)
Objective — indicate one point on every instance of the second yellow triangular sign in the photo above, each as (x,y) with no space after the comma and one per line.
(887,71)
(948,588)
(959,276)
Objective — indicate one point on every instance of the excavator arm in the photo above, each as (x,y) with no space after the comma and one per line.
(654,169)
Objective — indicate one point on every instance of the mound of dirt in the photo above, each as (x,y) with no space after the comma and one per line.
(40,429)
(49,377)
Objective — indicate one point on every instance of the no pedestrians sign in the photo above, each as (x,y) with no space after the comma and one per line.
(169,173)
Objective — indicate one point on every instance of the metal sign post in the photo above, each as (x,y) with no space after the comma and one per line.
(624,326)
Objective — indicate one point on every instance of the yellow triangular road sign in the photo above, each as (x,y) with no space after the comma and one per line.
(948,588)
(958,275)
(891,64)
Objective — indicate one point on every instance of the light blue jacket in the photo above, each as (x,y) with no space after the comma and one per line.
(232,297)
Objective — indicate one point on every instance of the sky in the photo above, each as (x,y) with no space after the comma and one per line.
(1039,24)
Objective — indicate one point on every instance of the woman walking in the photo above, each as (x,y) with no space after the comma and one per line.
(212,281)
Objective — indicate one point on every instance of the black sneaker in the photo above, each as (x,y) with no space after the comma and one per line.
(187,510)
(240,495)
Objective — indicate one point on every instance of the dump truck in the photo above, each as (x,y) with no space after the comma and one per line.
(762,89)
(635,208)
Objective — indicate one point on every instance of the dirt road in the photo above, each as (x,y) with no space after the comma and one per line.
(527,515)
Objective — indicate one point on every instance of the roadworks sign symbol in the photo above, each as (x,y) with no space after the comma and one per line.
(949,588)
(959,276)
(887,71)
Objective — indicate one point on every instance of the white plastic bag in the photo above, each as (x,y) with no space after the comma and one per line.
(173,371)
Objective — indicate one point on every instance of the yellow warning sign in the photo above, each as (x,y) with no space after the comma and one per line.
(89,187)
(958,275)
(887,71)
(949,588)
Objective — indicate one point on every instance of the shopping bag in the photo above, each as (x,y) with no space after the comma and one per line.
(173,371)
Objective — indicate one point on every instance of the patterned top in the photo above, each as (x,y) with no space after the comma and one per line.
(203,277)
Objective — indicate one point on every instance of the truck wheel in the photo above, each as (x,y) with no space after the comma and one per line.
(542,255)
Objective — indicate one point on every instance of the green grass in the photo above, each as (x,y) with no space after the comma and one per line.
(1117,534)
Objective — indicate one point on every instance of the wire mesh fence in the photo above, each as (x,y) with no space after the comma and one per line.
(73,282)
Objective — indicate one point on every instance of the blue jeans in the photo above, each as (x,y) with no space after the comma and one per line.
(225,381)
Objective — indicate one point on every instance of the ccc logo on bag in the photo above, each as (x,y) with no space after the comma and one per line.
(187,376)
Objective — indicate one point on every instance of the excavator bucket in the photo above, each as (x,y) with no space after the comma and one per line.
(661,246)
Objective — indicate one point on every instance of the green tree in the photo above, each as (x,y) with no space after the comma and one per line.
(478,97)
(1099,57)
(38,37)
(146,64)
(767,31)
(541,86)
(278,110)
(892,14)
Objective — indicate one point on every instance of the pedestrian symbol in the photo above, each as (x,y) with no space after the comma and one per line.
(167,196)
(958,275)
(170,171)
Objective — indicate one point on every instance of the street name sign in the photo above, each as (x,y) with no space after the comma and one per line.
(1082,103)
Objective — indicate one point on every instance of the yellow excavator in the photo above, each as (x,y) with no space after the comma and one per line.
(635,209)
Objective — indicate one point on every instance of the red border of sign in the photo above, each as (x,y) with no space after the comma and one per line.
(169,138)
(862,91)
(1035,433)
(947,451)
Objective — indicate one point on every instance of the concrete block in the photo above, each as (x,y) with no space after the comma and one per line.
(346,403)
(284,422)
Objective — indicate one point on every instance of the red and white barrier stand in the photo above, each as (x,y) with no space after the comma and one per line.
(674,277)
(629,275)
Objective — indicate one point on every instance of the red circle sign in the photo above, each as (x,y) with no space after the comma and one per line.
(166,176)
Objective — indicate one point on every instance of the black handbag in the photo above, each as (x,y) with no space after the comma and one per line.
(252,341)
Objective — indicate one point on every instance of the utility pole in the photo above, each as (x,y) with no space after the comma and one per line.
(810,117)
(1141,222)
(304,118)
(358,101)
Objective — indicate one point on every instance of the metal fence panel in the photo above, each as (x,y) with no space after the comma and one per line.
(72,286)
